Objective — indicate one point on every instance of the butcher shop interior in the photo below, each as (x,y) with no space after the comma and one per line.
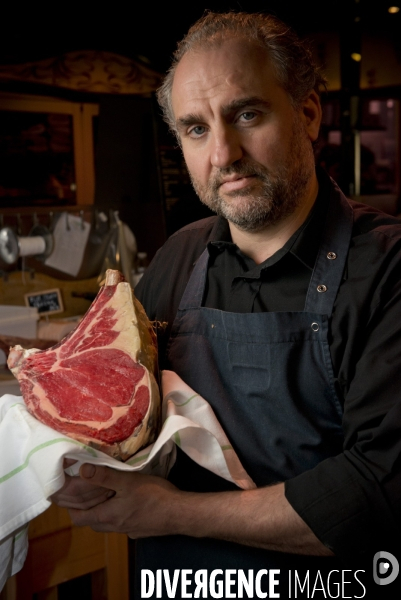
(91,179)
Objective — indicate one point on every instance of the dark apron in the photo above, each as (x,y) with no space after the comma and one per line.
(269,378)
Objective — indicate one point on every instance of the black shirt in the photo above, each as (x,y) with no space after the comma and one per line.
(237,284)
(352,501)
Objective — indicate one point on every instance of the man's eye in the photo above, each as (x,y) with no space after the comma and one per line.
(248,116)
(197,131)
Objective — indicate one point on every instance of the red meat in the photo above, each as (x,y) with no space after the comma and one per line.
(98,385)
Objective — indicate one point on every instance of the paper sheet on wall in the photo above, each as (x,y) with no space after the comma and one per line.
(70,237)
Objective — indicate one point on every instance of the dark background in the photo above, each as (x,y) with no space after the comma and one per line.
(151,30)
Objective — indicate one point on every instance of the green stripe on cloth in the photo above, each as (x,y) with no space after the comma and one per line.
(186,401)
(134,460)
(21,533)
(41,447)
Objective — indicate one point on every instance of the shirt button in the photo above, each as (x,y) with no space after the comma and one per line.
(321,288)
(331,255)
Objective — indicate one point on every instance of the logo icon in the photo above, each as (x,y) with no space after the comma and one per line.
(385,568)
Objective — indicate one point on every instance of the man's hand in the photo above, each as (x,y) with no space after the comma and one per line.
(77,493)
(135,504)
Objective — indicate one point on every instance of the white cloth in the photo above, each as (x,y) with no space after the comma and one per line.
(32,454)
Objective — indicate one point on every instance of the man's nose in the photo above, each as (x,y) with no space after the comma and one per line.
(226,148)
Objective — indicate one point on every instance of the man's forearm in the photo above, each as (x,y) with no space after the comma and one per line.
(261,518)
(145,506)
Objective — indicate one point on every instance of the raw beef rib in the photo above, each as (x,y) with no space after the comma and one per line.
(98,385)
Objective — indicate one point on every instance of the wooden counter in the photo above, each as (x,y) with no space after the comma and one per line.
(59,552)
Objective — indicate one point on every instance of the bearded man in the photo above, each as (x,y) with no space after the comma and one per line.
(283,313)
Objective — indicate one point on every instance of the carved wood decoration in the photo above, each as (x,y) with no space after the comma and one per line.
(87,71)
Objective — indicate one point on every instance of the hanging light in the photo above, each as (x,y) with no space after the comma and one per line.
(356,56)
(393,9)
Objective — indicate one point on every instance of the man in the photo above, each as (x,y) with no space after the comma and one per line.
(281,314)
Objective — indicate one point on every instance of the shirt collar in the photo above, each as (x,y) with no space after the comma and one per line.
(303,244)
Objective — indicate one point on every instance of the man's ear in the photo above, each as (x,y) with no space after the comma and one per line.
(312,114)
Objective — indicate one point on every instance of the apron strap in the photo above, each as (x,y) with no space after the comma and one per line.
(332,255)
(194,291)
(328,270)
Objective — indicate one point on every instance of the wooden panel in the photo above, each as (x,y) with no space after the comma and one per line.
(117,566)
(65,555)
(58,557)
(9,592)
(82,134)
(88,194)
(52,520)
(99,585)
(50,594)
(12,291)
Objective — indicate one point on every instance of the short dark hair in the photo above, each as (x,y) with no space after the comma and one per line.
(292,59)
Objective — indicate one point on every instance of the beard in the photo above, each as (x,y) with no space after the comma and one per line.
(272,194)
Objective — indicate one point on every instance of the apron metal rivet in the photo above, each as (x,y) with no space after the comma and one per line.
(315,327)
(321,288)
(331,255)
(212,325)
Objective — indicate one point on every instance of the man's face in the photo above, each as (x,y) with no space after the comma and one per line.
(247,149)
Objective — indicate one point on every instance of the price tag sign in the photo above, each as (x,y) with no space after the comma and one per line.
(48,302)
